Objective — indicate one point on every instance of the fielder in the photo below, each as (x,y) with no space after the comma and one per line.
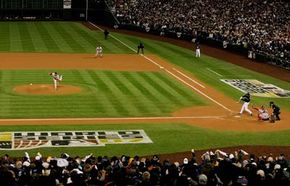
(246,99)
(197,51)
(263,114)
(56,79)
(99,51)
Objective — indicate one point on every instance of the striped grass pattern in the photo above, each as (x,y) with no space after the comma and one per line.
(105,94)
(57,37)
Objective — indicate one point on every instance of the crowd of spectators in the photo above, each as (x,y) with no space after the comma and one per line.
(260,25)
(214,168)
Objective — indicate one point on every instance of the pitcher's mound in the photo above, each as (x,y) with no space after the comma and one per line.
(47,89)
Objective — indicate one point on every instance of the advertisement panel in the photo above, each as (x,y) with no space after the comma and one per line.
(67,4)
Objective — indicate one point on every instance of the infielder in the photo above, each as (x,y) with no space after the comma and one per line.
(99,51)
(56,79)
(246,99)
(197,51)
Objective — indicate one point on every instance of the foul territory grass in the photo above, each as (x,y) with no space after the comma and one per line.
(104,94)
(167,138)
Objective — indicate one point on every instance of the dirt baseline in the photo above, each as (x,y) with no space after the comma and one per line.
(128,62)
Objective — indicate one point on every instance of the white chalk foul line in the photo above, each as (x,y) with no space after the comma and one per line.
(214,72)
(188,78)
(112,119)
(152,61)
(114,37)
(129,47)
(199,91)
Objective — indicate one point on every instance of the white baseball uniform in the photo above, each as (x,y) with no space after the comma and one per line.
(99,51)
(56,79)
(246,99)
(197,51)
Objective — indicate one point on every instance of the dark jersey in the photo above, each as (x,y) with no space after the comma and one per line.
(246,98)
(275,108)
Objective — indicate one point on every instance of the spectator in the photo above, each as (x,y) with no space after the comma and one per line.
(216,168)
(260,25)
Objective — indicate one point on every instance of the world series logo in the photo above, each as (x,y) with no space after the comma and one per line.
(257,88)
(37,139)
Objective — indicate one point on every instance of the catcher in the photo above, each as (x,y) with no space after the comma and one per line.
(56,79)
(263,114)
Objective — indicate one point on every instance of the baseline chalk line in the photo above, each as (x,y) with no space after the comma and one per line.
(199,84)
(199,91)
(152,61)
(214,72)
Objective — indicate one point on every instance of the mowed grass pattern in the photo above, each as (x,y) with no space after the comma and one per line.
(56,37)
(105,94)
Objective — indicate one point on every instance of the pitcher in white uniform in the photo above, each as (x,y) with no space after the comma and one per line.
(56,79)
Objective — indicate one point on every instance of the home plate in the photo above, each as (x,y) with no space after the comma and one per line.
(237,116)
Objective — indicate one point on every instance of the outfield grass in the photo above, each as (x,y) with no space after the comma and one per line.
(122,93)
(68,37)
(167,138)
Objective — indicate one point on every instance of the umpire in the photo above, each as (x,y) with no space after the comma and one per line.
(276,110)
(106,33)
(140,47)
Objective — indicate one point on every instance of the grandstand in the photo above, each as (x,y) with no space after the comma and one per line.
(257,26)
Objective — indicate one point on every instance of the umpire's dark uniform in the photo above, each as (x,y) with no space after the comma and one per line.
(140,47)
(276,110)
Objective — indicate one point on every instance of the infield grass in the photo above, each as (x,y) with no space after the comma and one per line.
(104,94)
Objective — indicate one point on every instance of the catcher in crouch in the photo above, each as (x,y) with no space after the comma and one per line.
(263,114)
(56,79)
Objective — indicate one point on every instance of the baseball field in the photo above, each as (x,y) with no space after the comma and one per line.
(179,101)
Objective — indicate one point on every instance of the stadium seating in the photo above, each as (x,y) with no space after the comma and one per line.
(212,168)
(261,26)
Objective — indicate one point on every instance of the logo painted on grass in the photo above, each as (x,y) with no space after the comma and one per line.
(257,88)
(36,139)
